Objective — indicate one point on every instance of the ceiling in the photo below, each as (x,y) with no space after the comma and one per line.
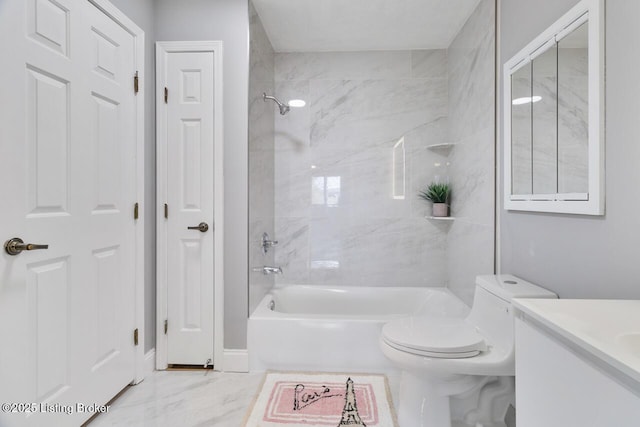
(347,25)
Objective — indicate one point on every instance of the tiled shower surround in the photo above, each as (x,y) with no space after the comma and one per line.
(471,71)
(335,211)
(346,207)
(261,156)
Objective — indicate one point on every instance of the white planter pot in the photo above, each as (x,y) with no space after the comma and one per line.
(440,209)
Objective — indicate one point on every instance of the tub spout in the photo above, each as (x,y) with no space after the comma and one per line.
(268,270)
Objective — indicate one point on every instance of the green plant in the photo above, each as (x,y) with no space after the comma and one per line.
(436,192)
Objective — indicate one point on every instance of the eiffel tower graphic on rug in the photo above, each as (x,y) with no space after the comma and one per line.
(350,416)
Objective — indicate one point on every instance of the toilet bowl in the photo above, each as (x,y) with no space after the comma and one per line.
(444,357)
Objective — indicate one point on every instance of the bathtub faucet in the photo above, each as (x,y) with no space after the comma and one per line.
(268,270)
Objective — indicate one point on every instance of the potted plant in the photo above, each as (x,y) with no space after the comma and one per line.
(438,194)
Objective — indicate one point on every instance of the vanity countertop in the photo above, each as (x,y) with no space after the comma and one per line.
(609,330)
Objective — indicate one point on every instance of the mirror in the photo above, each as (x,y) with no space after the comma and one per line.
(554,145)
(573,112)
(521,130)
(544,106)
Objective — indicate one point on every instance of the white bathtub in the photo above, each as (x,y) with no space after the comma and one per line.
(320,328)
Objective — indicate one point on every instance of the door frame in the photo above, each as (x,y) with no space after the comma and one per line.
(162,51)
(138,35)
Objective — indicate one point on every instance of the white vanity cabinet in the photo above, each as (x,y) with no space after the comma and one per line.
(577,363)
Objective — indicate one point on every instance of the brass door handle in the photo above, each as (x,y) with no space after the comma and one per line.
(202,227)
(16,245)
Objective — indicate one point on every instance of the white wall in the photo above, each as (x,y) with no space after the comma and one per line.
(142,13)
(225,20)
(580,256)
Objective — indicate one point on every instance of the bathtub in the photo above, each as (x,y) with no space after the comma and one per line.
(322,328)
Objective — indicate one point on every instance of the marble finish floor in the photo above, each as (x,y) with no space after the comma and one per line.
(193,398)
(183,398)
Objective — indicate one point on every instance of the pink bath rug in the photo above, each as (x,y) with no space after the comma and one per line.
(322,400)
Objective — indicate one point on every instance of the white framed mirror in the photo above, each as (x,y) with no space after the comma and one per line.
(554,117)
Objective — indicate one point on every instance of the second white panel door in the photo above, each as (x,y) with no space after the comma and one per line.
(190,197)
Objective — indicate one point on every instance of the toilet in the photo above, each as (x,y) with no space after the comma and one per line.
(444,357)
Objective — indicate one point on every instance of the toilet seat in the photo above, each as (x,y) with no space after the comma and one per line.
(449,338)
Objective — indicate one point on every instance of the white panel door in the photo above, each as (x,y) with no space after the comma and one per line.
(108,161)
(190,196)
(67,143)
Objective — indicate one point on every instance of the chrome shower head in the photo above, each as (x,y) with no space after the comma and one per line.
(284,108)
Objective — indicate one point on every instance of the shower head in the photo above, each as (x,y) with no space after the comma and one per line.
(284,108)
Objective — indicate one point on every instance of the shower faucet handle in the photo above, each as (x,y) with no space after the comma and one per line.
(267,243)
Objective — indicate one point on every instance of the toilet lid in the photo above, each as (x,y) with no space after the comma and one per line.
(434,337)
(434,354)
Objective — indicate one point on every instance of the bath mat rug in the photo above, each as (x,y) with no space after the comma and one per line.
(320,400)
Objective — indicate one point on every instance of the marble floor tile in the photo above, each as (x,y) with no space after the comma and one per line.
(185,399)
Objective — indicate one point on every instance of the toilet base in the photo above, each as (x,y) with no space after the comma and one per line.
(424,402)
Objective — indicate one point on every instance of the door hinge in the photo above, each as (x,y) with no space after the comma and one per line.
(166,210)
(135,336)
(136,87)
(136,211)
(166,95)
(166,326)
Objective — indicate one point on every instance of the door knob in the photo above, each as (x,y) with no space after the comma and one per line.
(16,245)
(202,227)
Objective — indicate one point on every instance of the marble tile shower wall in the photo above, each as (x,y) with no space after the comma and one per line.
(335,215)
(261,156)
(471,71)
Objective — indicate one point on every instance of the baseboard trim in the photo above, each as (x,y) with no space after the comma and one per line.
(149,361)
(235,360)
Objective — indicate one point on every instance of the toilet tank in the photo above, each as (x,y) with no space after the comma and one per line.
(508,287)
(492,310)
